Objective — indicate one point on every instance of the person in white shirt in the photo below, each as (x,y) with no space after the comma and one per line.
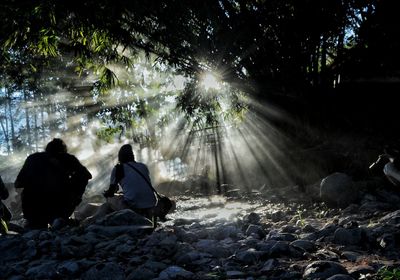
(134,179)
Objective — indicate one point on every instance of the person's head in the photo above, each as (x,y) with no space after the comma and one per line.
(56,146)
(125,154)
(392,151)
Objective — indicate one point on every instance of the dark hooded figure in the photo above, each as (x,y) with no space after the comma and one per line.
(5,214)
(53,183)
(134,179)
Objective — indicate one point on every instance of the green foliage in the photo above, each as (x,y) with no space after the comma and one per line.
(300,219)
(386,273)
(47,44)
(107,79)
(266,43)
(211,107)
(108,133)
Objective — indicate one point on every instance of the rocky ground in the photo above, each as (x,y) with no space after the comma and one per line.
(239,235)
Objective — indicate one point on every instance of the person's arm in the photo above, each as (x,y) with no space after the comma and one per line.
(113,188)
(81,170)
(147,173)
(376,168)
(79,176)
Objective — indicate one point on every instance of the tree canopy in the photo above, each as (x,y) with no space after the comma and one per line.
(255,45)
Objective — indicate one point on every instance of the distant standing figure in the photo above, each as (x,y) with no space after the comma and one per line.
(205,181)
(53,183)
(389,163)
(134,179)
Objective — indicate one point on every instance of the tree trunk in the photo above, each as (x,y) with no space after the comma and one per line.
(323,74)
(28,126)
(10,114)
(316,65)
(36,128)
(43,124)
(4,127)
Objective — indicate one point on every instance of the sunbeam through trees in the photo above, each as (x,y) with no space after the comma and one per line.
(259,118)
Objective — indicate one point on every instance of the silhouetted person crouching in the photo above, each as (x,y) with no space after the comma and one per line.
(53,183)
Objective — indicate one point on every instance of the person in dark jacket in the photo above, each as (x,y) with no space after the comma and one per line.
(53,183)
(5,214)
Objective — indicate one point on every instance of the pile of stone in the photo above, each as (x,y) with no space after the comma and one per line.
(270,241)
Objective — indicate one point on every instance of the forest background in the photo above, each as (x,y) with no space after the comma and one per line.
(261,92)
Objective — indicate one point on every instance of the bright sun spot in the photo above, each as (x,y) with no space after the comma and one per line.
(210,81)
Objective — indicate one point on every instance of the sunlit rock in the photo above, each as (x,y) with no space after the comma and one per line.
(305,245)
(392,218)
(359,270)
(256,230)
(252,218)
(249,256)
(390,241)
(324,233)
(85,210)
(323,270)
(326,254)
(273,235)
(351,256)
(124,217)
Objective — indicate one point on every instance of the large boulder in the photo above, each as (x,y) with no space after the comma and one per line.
(125,217)
(352,236)
(338,189)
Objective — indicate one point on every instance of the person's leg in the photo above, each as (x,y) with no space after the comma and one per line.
(35,212)
(117,202)
(147,213)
